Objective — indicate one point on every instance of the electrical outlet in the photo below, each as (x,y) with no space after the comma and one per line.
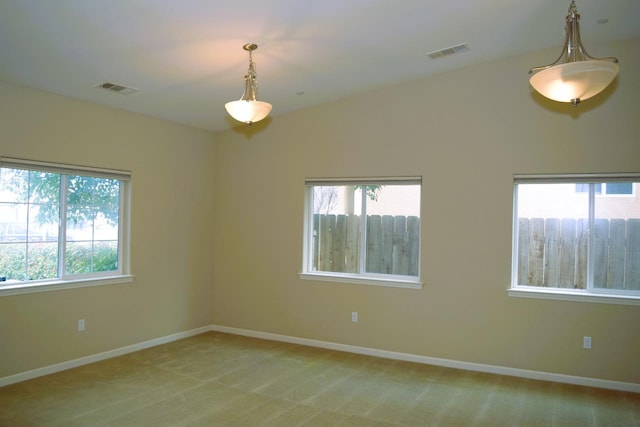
(586,342)
(354,316)
(81,325)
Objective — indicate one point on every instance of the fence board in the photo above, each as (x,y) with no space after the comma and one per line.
(616,256)
(632,270)
(524,234)
(374,235)
(339,243)
(601,252)
(413,245)
(552,251)
(316,241)
(615,268)
(400,256)
(568,254)
(536,252)
(327,224)
(386,246)
(582,253)
(352,243)
(392,244)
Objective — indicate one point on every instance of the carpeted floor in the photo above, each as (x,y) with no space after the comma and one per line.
(219,379)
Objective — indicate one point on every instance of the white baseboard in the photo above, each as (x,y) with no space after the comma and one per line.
(469,366)
(34,373)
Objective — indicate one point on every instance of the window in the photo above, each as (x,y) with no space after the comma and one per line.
(609,188)
(581,243)
(363,231)
(61,224)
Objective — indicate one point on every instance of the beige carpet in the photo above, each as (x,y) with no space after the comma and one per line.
(219,379)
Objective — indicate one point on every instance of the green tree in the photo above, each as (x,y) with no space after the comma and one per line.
(371,191)
(87,198)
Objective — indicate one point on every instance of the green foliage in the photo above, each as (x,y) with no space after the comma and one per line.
(86,196)
(43,259)
(89,201)
(78,258)
(371,191)
(42,264)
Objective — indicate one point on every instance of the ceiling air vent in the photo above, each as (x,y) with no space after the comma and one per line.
(113,87)
(463,47)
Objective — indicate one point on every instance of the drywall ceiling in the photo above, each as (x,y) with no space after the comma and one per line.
(185,57)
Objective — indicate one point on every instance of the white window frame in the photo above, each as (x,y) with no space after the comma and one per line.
(123,274)
(363,278)
(591,293)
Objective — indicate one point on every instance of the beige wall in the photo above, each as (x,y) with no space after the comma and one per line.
(466,133)
(172,207)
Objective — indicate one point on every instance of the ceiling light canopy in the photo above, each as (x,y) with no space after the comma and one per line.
(247,109)
(575,75)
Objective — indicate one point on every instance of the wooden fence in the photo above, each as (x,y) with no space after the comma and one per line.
(392,244)
(553,252)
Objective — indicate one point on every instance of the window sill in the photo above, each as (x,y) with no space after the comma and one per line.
(7,288)
(573,295)
(343,278)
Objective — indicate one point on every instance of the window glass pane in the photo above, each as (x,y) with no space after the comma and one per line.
(14,205)
(44,189)
(584,188)
(29,213)
(44,206)
(616,257)
(41,227)
(393,229)
(79,224)
(105,225)
(78,258)
(92,225)
(14,184)
(105,256)
(13,261)
(80,190)
(552,232)
(14,228)
(106,192)
(335,228)
(42,260)
(30,223)
(619,188)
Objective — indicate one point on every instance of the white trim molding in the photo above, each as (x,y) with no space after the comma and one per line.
(58,367)
(361,280)
(61,285)
(469,366)
(563,294)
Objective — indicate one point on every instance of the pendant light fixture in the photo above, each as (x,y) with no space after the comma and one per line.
(247,109)
(575,75)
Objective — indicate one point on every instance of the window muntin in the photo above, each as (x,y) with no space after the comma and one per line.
(577,242)
(363,228)
(61,223)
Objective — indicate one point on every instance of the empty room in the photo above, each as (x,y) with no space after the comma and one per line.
(426,213)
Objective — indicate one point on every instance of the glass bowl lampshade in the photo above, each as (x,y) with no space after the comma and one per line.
(574,80)
(575,75)
(248,109)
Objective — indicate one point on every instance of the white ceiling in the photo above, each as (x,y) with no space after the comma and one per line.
(186,57)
